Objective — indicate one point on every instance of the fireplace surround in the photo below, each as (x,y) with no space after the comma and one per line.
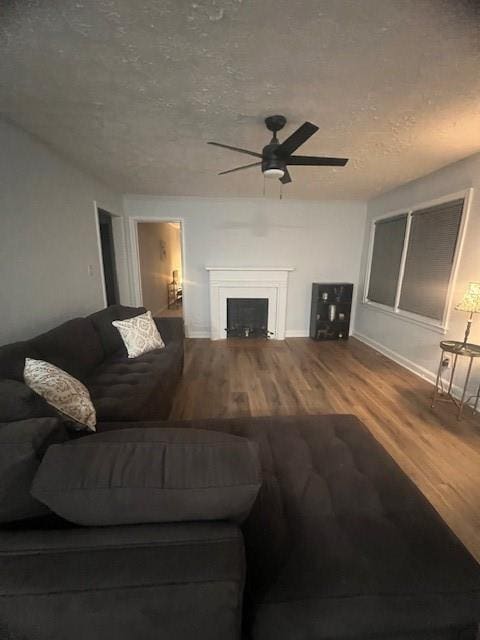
(268,283)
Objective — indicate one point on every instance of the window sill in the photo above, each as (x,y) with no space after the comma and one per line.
(405,317)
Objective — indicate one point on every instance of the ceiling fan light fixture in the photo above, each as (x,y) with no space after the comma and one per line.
(274,173)
(277,156)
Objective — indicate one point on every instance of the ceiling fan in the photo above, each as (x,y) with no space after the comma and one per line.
(276,156)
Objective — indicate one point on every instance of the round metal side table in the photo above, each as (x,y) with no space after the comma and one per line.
(468,350)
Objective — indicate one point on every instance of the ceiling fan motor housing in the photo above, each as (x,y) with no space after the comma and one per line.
(270,158)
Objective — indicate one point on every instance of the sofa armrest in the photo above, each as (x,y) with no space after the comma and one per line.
(178,581)
(171,329)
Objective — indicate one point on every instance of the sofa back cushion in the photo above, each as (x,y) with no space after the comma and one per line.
(12,359)
(22,446)
(110,336)
(19,402)
(74,346)
(150,475)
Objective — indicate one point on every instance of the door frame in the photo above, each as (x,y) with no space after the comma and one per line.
(133,222)
(116,219)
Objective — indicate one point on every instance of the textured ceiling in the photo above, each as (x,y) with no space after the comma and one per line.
(132,89)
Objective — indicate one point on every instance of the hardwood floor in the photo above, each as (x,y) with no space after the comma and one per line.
(299,376)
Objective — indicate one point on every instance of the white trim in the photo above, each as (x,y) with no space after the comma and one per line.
(383,216)
(403,261)
(199,335)
(366,285)
(406,316)
(135,263)
(290,333)
(427,375)
(250,268)
(415,206)
(135,257)
(458,252)
(297,333)
(396,311)
(252,282)
(406,363)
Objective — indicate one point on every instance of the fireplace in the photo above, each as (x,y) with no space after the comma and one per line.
(248,283)
(247,318)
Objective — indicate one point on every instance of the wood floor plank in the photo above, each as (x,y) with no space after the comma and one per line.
(231,378)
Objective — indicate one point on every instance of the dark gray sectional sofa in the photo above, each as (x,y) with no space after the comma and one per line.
(92,350)
(339,545)
(342,545)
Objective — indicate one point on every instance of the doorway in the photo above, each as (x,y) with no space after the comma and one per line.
(107,245)
(160,263)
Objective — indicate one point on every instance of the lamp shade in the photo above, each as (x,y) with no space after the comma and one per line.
(471,299)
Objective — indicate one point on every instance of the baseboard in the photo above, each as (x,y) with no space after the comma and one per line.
(406,363)
(427,375)
(296,333)
(293,333)
(198,334)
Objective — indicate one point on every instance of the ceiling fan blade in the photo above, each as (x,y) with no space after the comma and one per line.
(315,161)
(245,166)
(286,178)
(298,137)
(226,146)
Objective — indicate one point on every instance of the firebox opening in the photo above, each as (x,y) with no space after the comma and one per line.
(247,317)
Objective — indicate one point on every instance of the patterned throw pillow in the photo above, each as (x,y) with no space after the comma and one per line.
(139,334)
(61,390)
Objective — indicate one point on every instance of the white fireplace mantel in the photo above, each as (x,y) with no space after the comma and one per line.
(248,282)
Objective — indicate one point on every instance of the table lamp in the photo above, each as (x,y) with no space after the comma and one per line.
(471,304)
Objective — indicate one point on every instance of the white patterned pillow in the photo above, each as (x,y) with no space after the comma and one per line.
(61,390)
(139,334)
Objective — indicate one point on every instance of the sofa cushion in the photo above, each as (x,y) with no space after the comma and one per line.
(61,390)
(150,475)
(19,402)
(175,581)
(12,359)
(109,335)
(74,346)
(353,549)
(22,445)
(126,389)
(171,329)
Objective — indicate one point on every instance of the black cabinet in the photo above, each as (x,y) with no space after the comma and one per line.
(331,310)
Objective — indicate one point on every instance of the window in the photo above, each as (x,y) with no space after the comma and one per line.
(386,259)
(412,260)
(429,263)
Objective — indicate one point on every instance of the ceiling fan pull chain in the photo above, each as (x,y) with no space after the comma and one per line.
(264,186)
(281,190)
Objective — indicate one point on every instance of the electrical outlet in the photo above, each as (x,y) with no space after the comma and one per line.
(445,363)
(91,270)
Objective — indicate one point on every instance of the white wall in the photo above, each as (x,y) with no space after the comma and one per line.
(321,240)
(415,346)
(48,238)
